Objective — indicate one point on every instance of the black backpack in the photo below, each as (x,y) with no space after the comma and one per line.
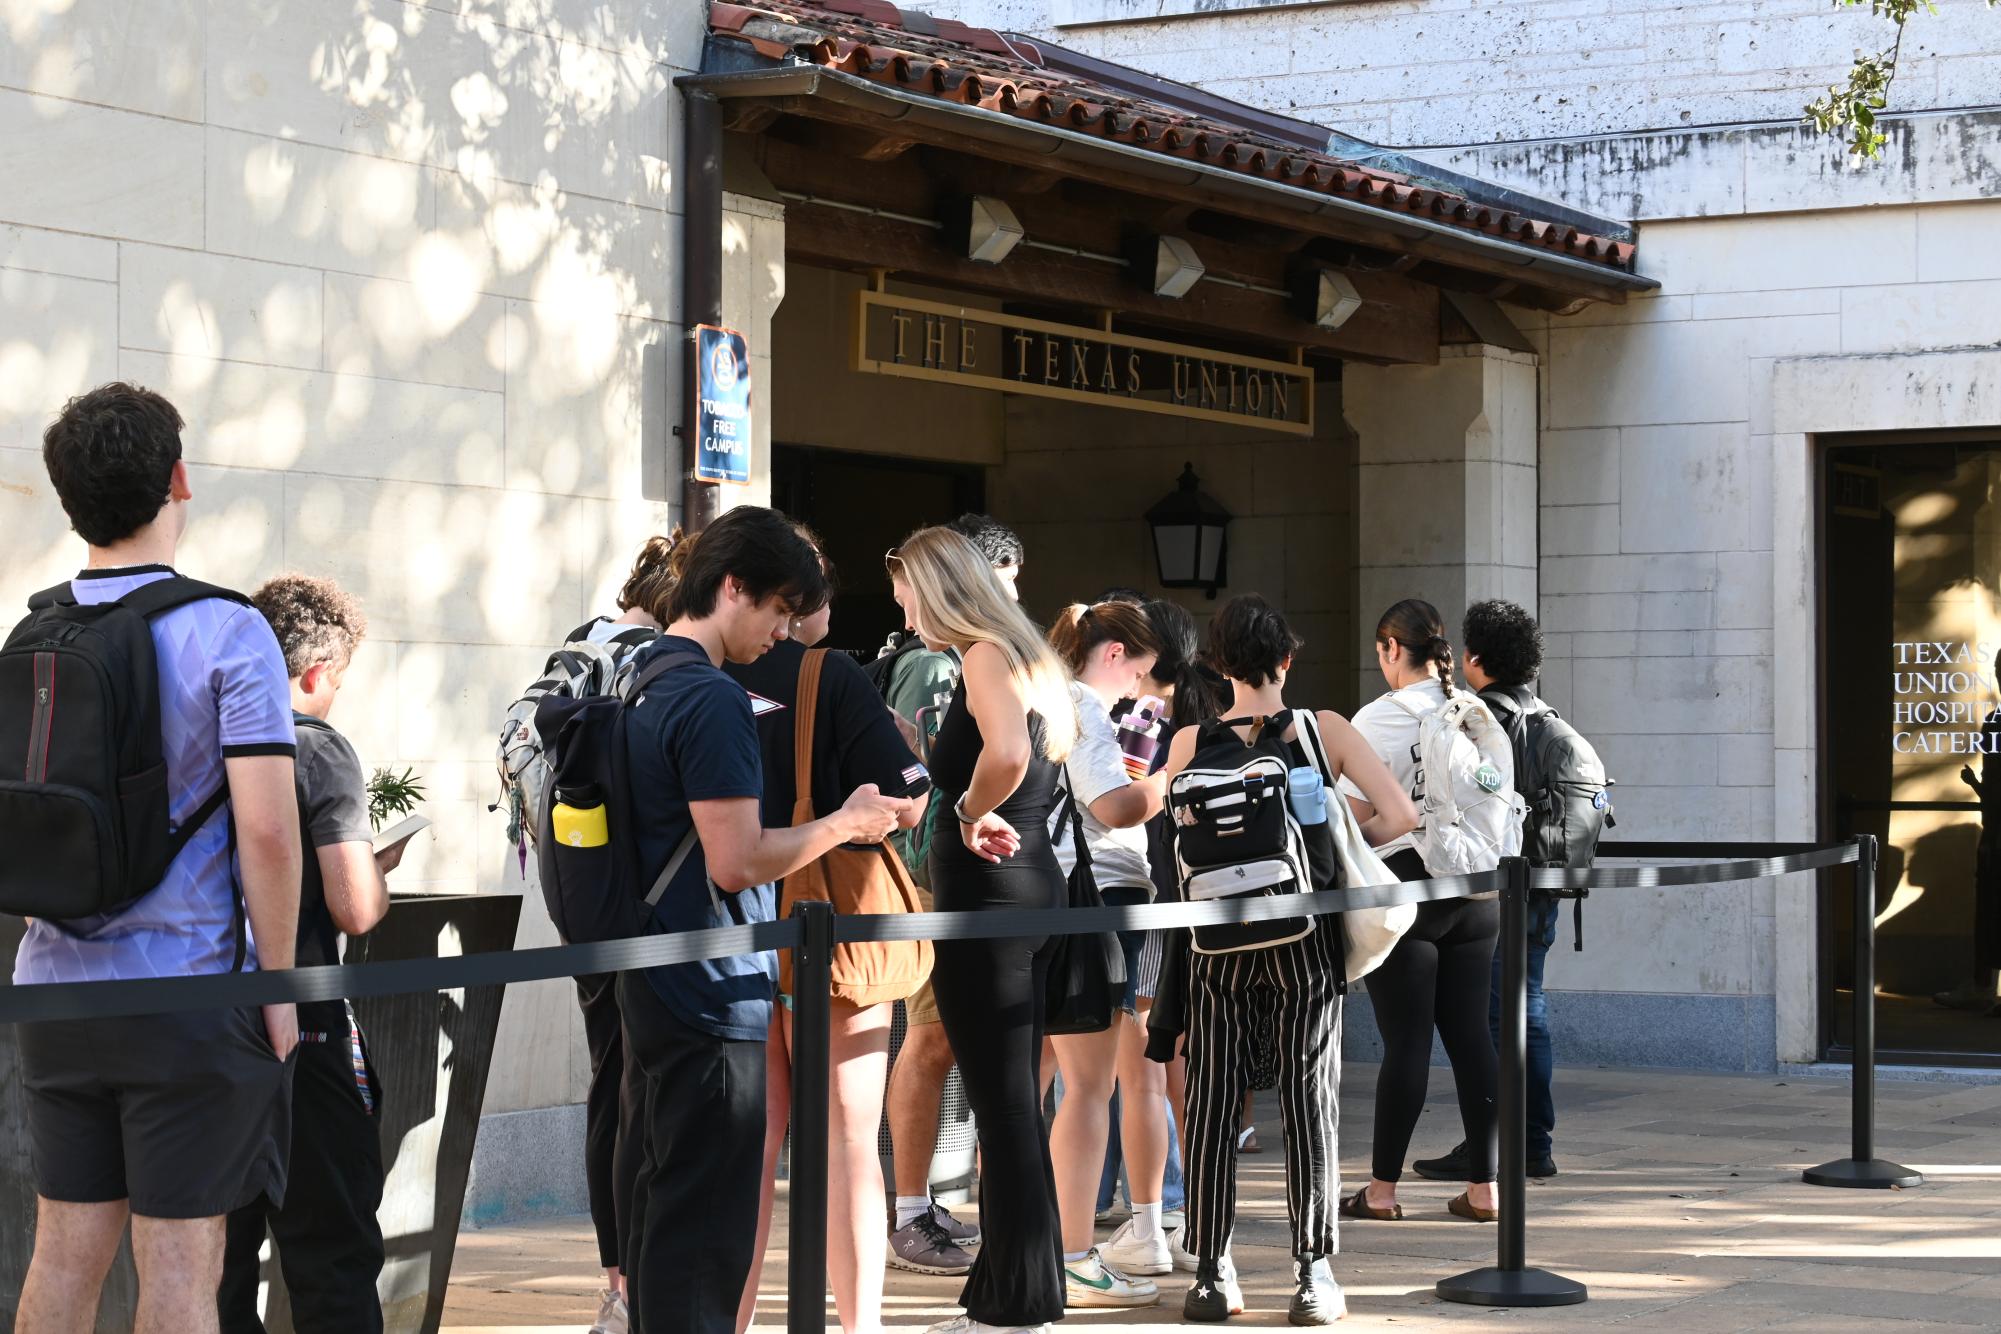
(1235,834)
(595,887)
(1563,781)
(83,777)
(882,672)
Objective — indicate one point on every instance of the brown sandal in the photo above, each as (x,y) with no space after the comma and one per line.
(1462,1206)
(1358,1206)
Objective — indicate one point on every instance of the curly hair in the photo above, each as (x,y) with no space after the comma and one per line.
(316,620)
(111,457)
(1506,640)
(1000,544)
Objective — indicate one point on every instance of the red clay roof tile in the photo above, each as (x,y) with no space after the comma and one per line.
(943,58)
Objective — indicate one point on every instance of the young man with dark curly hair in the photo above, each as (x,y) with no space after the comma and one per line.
(328,1243)
(1503,648)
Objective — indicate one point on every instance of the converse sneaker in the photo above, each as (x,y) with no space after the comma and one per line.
(1131,1255)
(1177,1246)
(963,1234)
(613,1318)
(925,1248)
(1319,1300)
(1216,1294)
(1090,1282)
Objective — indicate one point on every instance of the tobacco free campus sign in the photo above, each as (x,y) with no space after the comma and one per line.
(926,340)
(722,401)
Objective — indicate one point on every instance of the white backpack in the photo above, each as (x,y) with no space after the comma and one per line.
(1471,815)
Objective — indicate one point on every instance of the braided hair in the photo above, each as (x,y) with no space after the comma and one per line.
(1419,631)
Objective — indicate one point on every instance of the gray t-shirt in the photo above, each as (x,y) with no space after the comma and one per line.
(333,808)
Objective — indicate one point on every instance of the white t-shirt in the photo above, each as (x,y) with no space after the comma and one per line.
(1392,731)
(1097,766)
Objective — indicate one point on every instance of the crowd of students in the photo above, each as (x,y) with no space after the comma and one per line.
(986,752)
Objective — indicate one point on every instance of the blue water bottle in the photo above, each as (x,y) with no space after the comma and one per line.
(1308,792)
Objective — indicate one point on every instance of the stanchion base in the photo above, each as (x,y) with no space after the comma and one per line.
(1512,1287)
(1872,1175)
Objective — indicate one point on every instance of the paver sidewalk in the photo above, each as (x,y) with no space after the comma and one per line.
(1679,1203)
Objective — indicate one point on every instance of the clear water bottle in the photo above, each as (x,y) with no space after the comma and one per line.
(1308,793)
(1139,735)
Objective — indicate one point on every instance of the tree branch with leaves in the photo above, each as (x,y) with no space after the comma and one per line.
(1850,109)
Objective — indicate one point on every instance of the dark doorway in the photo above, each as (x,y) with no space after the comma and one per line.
(1911,721)
(862,505)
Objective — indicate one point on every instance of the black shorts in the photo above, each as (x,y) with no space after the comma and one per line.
(183,1115)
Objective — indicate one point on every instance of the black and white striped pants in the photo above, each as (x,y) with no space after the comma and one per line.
(1262,1019)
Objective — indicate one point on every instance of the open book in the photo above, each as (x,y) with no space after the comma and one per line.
(399,832)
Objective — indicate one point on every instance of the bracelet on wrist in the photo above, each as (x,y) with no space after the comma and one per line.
(959,810)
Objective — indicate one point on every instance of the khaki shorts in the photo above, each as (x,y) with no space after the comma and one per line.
(922,1007)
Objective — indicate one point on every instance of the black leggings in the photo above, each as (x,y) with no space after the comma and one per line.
(990,997)
(1439,973)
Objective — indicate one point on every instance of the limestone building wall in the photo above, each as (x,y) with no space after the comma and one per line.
(410,272)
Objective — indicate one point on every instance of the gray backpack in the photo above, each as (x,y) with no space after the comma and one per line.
(1560,776)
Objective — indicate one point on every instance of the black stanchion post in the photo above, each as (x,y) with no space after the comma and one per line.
(1511,1282)
(1863,1168)
(812,987)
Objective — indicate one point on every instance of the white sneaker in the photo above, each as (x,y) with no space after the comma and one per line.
(965,1324)
(1091,1282)
(613,1318)
(1126,1251)
(1177,1246)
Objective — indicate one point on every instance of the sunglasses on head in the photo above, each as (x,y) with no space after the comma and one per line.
(892,560)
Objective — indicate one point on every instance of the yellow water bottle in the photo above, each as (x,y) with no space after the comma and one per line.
(578,820)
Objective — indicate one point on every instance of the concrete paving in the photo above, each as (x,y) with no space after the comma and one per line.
(1679,1203)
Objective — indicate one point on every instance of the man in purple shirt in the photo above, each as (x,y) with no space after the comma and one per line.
(170,1121)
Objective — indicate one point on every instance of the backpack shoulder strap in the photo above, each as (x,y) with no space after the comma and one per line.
(62,595)
(163,595)
(1308,735)
(674,865)
(805,710)
(666,663)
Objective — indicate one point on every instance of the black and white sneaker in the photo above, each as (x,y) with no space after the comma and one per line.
(1216,1294)
(1319,1300)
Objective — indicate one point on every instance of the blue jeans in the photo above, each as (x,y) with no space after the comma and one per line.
(1174,1195)
(1541,1071)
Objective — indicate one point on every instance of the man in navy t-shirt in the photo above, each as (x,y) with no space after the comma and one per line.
(169,1120)
(695,1032)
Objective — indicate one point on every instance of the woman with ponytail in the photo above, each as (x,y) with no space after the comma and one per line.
(996,760)
(1110,649)
(1439,973)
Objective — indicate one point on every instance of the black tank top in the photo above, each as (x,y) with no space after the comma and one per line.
(1029,879)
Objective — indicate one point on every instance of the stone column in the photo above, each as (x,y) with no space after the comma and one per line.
(1446,497)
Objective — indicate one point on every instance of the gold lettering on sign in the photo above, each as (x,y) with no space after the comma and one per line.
(996,351)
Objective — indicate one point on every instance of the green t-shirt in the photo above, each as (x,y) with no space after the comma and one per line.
(920,678)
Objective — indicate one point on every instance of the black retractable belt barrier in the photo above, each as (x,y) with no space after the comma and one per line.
(1510,1282)
(1862,1167)
(812,987)
(815,929)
